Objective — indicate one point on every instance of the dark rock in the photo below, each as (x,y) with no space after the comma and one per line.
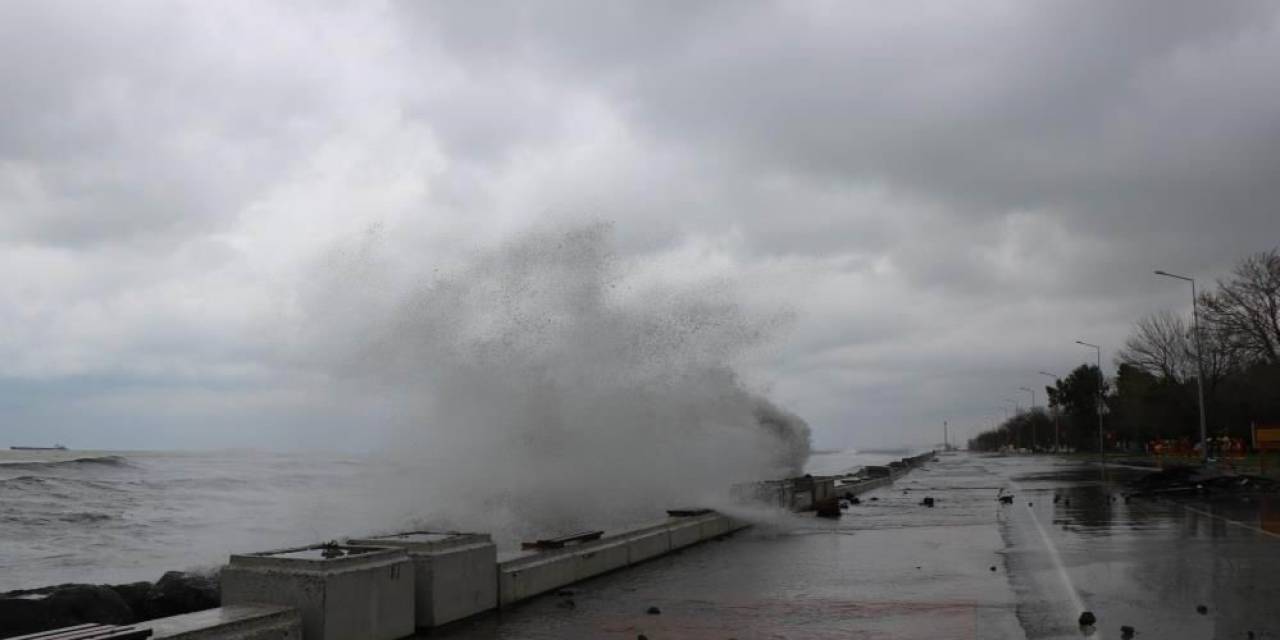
(1031,504)
(134,595)
(1126,632)
(642,637)
(855,500)
(62,606)
(993,567)
(653,611)
(873,498)
(1087,619)
(90,603)
(178,592)
(1006,499)
(23,612)
(28,615)
(829,509)
(1201,609)
(928,502)
(1057,498)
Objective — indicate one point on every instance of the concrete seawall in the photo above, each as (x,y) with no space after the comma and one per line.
(272,610)
(810,493)
(525,575)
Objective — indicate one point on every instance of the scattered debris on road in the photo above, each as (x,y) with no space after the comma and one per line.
(1185,480)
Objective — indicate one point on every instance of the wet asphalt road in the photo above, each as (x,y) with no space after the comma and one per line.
(894,569)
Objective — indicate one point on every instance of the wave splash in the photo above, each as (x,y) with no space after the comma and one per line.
(543,386)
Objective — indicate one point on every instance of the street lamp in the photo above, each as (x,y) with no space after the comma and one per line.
(1056,379)
(1099,403)
(1009,416)
(1195,320)
(1035,440)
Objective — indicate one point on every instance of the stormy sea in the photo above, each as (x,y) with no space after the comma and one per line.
(115,517)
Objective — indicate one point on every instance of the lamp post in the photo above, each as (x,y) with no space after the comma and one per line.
(1195,320)
(1099,401)
(1009,416)
(1056,443)
(1035,440)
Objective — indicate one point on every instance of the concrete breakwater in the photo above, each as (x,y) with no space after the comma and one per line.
(814,493)
(385,587)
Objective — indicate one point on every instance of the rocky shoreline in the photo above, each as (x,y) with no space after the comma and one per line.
(176,592)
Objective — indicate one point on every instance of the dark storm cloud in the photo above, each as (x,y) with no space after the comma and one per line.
(1119,117)
(947,195)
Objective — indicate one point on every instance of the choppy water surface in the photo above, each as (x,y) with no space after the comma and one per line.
(79,516)
(85,516)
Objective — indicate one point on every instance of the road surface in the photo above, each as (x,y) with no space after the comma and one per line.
(968,568)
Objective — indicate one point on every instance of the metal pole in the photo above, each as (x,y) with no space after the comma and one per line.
(1195,321)
(1101,380)
(1035,440)
(1195,324)
(1057,446)
(945,447)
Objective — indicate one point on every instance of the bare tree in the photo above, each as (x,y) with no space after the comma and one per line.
(1162,345)
(1244,313)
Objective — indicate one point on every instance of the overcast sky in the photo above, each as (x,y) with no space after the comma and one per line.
(941,196)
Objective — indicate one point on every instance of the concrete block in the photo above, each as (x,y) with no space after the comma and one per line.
(342,592)
(529,576)
(597,558)
(713,527)
(649,544)
(234,622)
(455,574)
(685,531)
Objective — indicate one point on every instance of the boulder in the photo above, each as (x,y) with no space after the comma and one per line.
(19,616)
(61,606)
(90,603)
(179,592)
(135,594)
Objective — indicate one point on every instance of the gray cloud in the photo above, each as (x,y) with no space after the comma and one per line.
(944,196)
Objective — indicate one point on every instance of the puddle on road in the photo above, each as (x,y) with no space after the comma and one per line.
(1144,563)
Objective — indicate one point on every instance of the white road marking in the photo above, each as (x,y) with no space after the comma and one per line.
(1052,549)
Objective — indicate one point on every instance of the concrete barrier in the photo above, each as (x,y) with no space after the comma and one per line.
(648,543)
(453,573)
(600,558)
(341,592)
(526,575)
(685,531)
(233,622)
(806,493)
